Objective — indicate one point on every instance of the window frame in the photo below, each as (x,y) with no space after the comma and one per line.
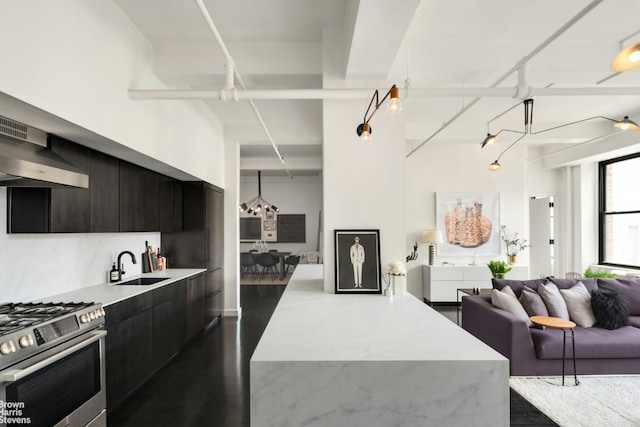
(603,214)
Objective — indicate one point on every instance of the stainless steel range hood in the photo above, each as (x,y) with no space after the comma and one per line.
(26,161)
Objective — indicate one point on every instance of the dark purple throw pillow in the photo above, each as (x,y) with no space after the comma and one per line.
(609,308)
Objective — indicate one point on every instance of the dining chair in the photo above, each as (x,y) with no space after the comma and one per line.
(248,265)
(269,264)
(291,260)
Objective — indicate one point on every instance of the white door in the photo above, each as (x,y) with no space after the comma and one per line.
(541,251)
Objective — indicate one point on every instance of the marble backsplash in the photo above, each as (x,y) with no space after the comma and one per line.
(34,266)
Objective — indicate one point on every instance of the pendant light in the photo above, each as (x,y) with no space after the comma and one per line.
(627,58)
(624,124)
(258,204)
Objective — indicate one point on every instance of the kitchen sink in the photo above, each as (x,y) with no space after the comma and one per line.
(144,281)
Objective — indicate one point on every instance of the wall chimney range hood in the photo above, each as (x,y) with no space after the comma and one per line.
(26,160)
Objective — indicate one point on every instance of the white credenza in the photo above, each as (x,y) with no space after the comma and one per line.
(440,282)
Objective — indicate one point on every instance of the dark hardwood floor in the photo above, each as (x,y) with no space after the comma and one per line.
(207,383)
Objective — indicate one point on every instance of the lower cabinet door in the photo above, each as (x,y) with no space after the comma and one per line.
(127,354)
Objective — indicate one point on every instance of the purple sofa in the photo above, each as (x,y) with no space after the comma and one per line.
(533,351)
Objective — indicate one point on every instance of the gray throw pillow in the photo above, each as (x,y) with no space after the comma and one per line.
(506,300)
(578,301)
(553,300)
(532,302)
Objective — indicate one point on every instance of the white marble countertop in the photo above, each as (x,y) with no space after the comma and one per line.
(312,325)
(111,293)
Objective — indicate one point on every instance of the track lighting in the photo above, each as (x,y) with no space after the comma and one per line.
(627,58)
(394,107)
(624,124)
(257,204)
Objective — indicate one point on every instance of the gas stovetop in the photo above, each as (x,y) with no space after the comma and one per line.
(18,316)
(29,328)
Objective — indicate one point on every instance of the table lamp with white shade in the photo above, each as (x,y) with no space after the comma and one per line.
(432,237)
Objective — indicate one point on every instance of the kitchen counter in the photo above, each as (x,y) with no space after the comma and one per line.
(370,360)
(111,293)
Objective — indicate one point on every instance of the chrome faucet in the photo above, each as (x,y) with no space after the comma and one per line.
(120,270)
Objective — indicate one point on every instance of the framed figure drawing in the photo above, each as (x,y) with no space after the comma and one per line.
(357,262)
(470,223)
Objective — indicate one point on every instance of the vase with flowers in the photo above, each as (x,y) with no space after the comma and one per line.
(394,278)
(514,245)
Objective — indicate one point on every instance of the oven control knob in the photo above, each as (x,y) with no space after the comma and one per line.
(84,318)
(92,315)
(25,341)
(7,347)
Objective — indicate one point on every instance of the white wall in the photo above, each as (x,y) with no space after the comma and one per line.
(462,168)
(77,59)
(363,182)
(300,195)
(231,232)
(34,266)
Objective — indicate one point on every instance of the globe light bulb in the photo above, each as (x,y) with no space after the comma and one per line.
(394,106)
(635,56)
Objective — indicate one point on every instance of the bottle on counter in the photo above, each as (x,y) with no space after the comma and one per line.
(113,273)
(160,260)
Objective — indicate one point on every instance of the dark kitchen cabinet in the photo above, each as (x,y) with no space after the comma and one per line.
(200,244)
(195,305)
(121,197)
(52,210)
(28,210)
(104,190)
(170,205)
(139,198)
(69,212)
(169,322)
(128,346)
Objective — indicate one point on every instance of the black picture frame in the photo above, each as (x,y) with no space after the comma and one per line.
(368,245)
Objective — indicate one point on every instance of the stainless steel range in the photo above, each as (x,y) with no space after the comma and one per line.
(52,364)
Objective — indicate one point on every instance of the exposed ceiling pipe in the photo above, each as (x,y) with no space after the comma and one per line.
(232,71)
(345,94)
(517,66)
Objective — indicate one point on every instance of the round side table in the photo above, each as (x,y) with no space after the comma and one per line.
(565,325)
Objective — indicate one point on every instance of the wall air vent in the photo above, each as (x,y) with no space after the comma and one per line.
(17,130)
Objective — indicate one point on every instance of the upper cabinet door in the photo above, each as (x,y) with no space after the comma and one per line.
(170,205)
(104,193)
(139,198)
(70,206)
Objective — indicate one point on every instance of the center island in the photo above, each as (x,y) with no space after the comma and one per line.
(370,360)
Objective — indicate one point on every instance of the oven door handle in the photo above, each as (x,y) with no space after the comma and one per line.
(11,375)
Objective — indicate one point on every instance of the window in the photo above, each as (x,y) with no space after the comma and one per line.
(620,211)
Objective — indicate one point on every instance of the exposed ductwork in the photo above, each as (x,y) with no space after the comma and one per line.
(434,92)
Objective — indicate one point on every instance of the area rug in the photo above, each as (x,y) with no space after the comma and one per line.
(596,401)
(247,280)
